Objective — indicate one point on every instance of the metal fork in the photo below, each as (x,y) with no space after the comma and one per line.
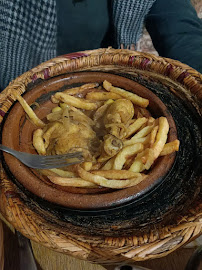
(45,162)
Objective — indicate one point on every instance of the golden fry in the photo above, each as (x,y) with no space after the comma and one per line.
(135,126)
(102,181)
(58,172)
(63,173)
(71,182)
(96,166)
(81,89)
(38,142)
(48,133)
(142,102)
(63,105)
(144,140)
(54,116)
(87,165)
(109,164)
(153,135)
(126,152)
(33,117)
(56,109)
(170,147)
(139,136)
(116,174)
(102,96)
(161,139)
(76,102)
(109,101)
(54,99)
(143,132)
(138,165)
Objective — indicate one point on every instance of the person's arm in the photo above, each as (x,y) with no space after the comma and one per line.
(176,31)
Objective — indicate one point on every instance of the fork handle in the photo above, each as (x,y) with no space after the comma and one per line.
(8,150)
(4,148)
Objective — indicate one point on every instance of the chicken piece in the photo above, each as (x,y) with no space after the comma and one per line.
(118,116)
(77,136)
(120,111)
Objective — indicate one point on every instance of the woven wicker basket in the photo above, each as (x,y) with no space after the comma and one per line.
(155,243)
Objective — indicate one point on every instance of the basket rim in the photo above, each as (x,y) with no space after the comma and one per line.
(173,69)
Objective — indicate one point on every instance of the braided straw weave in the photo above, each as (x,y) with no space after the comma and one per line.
(155,244)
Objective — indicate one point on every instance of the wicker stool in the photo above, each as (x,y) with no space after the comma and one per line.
(155,243)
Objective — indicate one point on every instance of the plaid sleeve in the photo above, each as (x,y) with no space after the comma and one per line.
(28,30)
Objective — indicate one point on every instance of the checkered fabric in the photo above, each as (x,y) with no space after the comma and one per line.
(128,20)
(28,31)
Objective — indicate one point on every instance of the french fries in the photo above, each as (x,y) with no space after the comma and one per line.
(116,174)
(144,160)
(169,148)
(126,152)
(38,141)
(159,143)
(119,138)
(81,89)
(135,126)
(138,164)
(109,164)
(140,134)
(31,114)
(153,135)
(58,172)
(71,182)
(49,132)
(76,102)
(102,96)
(142,102)
(104,182)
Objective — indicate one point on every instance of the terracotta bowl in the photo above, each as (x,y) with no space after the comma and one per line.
(17,134)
